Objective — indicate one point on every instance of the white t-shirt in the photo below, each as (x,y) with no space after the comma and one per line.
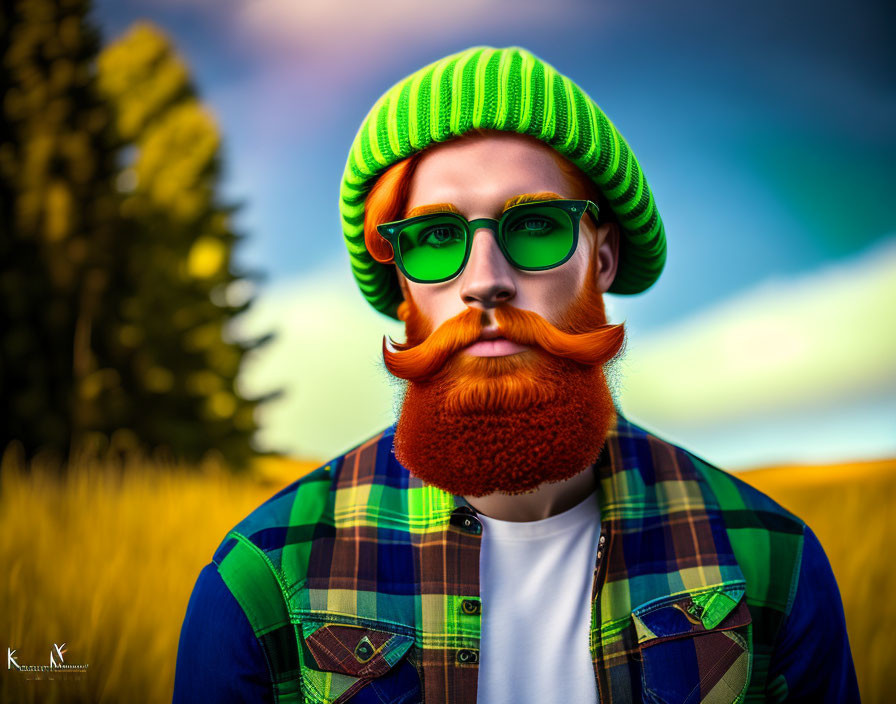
(535,581)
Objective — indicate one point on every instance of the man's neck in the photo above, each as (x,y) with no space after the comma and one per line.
(547,500)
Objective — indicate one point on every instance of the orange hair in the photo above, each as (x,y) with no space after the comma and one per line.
(386,202)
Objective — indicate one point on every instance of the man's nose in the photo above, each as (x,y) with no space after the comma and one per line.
(488,278)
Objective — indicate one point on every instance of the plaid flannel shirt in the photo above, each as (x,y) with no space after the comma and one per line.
(361,583)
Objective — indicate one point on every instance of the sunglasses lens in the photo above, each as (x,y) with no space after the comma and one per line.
(538,236)
(433,249)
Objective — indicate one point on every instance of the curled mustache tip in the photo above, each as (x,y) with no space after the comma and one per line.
(393,347)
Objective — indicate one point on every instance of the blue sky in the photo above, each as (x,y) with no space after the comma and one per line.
(765,130)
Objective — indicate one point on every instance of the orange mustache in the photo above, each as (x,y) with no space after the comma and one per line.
(420,362)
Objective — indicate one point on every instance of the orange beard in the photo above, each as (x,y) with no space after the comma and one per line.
(477,425)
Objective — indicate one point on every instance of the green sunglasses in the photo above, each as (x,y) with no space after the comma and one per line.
(533,236)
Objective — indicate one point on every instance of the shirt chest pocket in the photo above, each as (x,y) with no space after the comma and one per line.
(696,648)
(356,664)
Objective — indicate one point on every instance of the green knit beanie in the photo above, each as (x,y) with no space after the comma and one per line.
(513,91)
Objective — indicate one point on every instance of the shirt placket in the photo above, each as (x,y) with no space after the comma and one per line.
(448,561)
(607,464)
(600,571)
(463,601)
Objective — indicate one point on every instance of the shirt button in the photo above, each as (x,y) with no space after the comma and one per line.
(471,606)
(364,651)
(467,657)
(465,520)
(471,525)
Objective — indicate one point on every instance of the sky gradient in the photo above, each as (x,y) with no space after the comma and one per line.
(764,129)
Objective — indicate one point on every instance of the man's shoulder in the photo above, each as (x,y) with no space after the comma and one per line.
(727,515)
(765,538)
(305,508)
(740,503)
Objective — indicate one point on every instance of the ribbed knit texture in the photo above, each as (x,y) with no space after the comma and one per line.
(511,90)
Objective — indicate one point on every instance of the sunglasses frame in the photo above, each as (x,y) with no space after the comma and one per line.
(391,231)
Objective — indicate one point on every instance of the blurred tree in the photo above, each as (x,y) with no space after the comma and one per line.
(58,220)
(177,287)
(116,276)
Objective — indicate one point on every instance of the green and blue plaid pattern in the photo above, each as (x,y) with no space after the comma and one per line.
(362,583)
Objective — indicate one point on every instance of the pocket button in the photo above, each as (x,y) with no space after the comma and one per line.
(364,650)
(471,606)
(467,657)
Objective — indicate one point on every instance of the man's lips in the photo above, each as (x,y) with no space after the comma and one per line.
(492,344)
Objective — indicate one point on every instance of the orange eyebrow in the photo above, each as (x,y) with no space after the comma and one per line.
(531,198)
(433,208)
(451,208)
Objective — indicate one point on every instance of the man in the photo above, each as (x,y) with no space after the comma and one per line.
(513,538)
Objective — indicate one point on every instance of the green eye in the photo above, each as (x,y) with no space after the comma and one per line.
(534,226)
(433,248)
(440,236)
(538,235)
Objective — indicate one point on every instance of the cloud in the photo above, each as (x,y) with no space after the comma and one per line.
(823,338)
(357,29)
(330,47)
(864,429)
(327,357)
(793,370)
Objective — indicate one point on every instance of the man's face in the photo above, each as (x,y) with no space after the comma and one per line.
(506,389)
(477,177)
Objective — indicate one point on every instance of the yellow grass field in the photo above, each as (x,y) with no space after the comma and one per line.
(104,560)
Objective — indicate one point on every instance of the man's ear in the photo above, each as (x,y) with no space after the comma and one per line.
(607,254)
